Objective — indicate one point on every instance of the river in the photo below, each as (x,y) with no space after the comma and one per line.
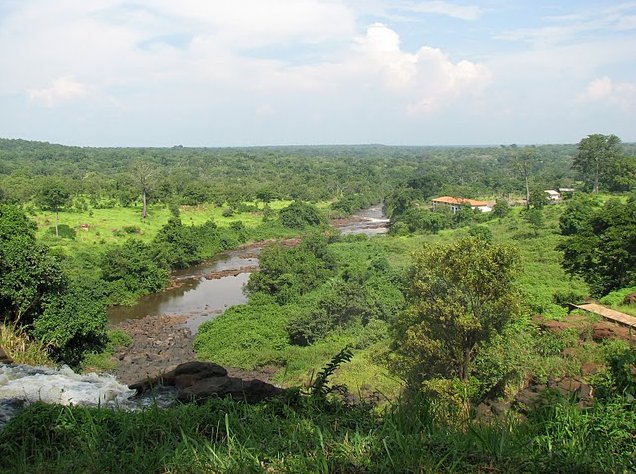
(197,295)
(200,298)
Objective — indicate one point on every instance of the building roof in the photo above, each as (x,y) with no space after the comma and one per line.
(459,201)
(552,192)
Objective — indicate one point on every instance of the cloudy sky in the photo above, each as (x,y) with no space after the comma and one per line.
(259,72)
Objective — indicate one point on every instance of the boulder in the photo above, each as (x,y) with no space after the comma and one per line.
(249,391)
(200,381)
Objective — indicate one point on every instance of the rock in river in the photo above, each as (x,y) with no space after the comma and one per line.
(200,381)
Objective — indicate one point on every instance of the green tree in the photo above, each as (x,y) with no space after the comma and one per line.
(132,268)
(596,156)
(458,297)
(577,214)
(289,273)
(534,218)
(601,245)
(525,161)
(52,195)
(28,272)
(299,215)
(538,198)
(501,209)
(72,324)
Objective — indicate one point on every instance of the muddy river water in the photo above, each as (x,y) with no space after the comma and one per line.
(200,298)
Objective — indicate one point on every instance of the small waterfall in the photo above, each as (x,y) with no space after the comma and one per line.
(23,384)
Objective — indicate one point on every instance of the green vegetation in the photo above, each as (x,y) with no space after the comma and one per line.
(458,297)
(601,243)
(321,434)
(449,313)
(37,295)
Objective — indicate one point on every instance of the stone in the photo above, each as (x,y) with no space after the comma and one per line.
(252,391)
(4,357)
(200,381)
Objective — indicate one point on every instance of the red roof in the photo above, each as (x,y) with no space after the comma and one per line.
(459,201)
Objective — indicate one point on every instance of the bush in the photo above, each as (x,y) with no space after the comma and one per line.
(257,333)
(132,269)
(289,273)
(617,298)
(299,215)
(72,325)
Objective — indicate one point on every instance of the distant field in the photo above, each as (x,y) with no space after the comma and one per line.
(104,223)
(106,227)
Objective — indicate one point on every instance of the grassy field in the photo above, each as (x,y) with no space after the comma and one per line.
(104,226)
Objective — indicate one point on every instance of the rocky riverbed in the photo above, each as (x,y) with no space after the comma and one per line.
(161,343)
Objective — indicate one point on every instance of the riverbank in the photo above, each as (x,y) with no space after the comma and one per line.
(162,326)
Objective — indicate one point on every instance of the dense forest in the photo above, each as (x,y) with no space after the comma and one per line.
(447,345)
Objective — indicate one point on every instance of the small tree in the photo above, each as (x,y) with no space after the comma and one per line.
(52,195)
(299,215)
(538,198)
(534,218)
(501,209)
(458,297)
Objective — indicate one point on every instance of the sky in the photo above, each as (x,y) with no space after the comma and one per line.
(306,72)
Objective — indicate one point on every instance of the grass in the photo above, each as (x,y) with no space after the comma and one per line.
(106,226)
(21,348)
(103,361)
(311,436)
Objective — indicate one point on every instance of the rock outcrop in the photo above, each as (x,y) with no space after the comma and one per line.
(199,381)
(567,387)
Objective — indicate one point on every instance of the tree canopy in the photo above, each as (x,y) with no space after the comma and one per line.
(595,158)
(458,296)
(601,243)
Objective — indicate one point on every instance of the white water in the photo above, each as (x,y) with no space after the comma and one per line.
(23,384)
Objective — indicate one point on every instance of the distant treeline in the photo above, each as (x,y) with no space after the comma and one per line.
(353,175)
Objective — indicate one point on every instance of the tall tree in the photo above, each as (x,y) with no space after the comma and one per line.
(52,195)
(595,157)
(525,160)
(29,274)
(458,296)
(143,172)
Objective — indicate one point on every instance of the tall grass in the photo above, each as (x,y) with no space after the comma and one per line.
(21,348)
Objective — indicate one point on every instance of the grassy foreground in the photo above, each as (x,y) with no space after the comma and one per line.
(312,435)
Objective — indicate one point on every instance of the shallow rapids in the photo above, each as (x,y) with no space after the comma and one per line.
(23,384)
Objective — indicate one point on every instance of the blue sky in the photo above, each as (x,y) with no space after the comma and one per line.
(268,72)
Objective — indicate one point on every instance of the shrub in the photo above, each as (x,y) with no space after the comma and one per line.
(71,325)
(299,215)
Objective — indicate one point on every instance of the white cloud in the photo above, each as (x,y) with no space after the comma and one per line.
(462,12)
(258,23)
(605,90)
(63,89)
(427,79)
(573,26)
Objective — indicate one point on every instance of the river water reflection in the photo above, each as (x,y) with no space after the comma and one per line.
(201,299)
